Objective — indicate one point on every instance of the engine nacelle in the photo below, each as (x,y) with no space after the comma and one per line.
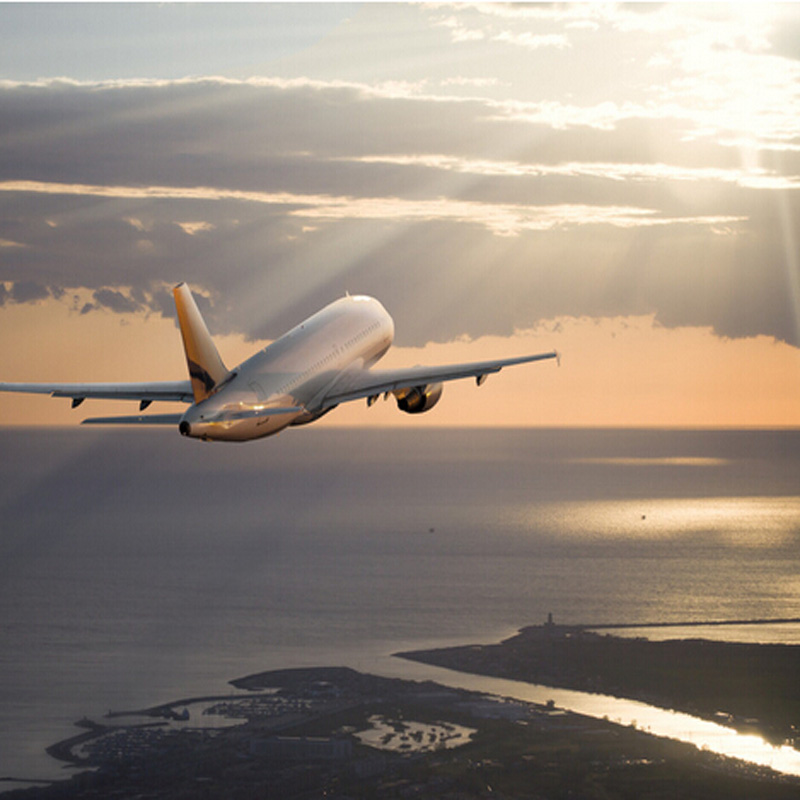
(419,398)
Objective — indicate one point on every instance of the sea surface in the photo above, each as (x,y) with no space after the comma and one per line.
(137,567)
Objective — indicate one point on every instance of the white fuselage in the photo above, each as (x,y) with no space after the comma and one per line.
(301,366)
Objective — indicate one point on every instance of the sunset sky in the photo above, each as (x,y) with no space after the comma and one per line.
(619,182)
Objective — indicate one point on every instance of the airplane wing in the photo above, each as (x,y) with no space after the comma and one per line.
(145,393)
(368,383)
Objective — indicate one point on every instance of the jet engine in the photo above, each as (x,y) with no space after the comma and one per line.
(419,398)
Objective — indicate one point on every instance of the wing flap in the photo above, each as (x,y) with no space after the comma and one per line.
(373,382)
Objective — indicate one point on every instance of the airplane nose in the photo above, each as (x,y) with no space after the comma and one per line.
(185,428)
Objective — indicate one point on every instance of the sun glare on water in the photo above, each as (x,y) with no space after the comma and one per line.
(736,521)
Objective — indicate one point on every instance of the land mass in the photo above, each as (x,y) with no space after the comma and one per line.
(747,686)
(337,733)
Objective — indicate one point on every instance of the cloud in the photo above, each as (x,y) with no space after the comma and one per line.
(534,41)
(473,82)
(755,177)
(474,210)
(193,228)
(28,292)
(727,71)
(115,301)
(503,220)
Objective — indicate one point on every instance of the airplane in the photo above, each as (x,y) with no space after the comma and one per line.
(322,362)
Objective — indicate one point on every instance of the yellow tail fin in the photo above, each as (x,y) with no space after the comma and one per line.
(205,366)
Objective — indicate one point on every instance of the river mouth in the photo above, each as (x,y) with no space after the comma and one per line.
(737,699)
(680,726)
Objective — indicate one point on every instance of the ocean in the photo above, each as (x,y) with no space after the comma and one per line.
(137,567)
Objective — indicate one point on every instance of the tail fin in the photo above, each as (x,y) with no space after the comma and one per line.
(205,366)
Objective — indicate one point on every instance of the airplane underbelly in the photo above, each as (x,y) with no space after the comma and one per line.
(243,430)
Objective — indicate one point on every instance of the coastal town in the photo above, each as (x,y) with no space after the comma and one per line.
(338,733)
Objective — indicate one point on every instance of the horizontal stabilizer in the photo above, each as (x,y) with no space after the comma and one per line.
(139,419)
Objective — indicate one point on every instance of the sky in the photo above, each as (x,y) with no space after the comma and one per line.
(619,182)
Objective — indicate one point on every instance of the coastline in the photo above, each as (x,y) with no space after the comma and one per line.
(335,731)
(751,688)
(167,748)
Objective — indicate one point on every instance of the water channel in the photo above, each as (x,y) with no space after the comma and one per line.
(657,721)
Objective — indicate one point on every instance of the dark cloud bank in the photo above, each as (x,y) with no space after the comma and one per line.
(264,265)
